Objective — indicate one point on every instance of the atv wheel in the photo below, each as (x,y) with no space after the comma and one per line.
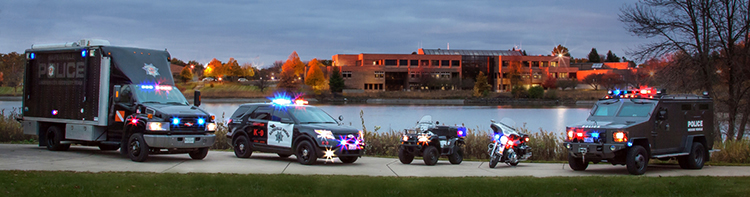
(404,156)
(457,157)
(431,155)
(577,164)
(637,160)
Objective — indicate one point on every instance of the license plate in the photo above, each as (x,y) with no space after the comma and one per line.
(351,147)
(588,139)
(189,140)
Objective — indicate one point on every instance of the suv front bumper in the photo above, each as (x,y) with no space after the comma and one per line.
(179,141)
(594,150)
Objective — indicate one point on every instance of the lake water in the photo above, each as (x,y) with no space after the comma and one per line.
(400,117)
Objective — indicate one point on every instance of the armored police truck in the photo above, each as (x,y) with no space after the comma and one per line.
(91,93)
(631,127)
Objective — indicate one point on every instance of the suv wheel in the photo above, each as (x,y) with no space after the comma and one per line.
(695,159)
(199,154)
(242,147)
(348,159)
(458,155)
(431,155)
(306,153)
(577,164)
(404,156)
(54,136)
(637,160)
(137,148)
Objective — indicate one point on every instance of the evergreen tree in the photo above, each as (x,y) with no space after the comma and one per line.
(611,57)
(481,87)
(594,56)
(336,82)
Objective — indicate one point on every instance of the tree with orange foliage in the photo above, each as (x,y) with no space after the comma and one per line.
(213,69)
(315,77)
(288,76)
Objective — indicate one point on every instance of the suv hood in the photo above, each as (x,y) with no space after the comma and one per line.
(334,128)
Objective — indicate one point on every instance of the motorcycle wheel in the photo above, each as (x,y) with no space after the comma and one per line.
(493,161)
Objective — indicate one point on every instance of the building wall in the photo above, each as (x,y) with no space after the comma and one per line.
(369,71)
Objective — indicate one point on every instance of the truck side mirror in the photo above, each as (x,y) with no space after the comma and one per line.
(341,118)
(197,98)
(662,114)
(116,90)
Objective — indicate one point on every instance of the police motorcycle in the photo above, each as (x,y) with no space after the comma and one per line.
(508,145)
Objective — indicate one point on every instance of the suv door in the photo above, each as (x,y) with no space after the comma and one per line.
(280,128)
(257,123)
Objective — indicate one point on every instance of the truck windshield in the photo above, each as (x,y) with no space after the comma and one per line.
(635,109)
(605,109)
(310,115)
(163,94)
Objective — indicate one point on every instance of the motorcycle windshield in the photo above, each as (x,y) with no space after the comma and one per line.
(505,126)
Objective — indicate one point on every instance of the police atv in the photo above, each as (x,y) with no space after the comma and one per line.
(291,127)
(431,141)
(631,127)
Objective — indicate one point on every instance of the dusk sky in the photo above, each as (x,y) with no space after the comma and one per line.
(261,32)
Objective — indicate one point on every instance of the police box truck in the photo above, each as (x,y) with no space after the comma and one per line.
(94,94)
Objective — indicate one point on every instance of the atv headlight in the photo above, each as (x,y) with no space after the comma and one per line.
(157,126)
(211,126)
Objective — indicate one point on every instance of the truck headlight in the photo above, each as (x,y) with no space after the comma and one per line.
(211,126)
(157,126)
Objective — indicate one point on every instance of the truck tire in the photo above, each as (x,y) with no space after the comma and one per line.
(348,159)
(199,154)
(431,155)
(54,136)
(637,160)
(577,164)
(458,155)
(306,154)
(108,147)
(242,147)
(137,148)
(404,156)
(695,159)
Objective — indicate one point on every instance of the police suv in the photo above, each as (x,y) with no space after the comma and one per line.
(291,127)
(631,127)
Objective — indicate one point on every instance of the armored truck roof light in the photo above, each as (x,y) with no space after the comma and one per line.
(83,53)
(32,56)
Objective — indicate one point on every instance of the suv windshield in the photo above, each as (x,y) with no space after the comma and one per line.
(163,94)
(309,115)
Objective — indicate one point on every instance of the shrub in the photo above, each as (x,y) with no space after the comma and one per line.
(567,83)
(536,92)
(551,94)
(519,92)
(732,151)
(11,130)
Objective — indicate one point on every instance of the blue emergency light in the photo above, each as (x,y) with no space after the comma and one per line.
(175,121)
(83,53)
(201,121)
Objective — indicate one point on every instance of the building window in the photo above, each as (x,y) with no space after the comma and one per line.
(506,63)
(553,64)
(435,63)
(562,75)
(346,74)
(526,64)
(379,74)
(444,63)
(372,86)
(535,64)
(403,62)
(544,64)
(390,62)
(424,62)
(414,62)
(455,63)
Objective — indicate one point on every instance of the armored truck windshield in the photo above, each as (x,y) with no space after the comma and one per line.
(623,108)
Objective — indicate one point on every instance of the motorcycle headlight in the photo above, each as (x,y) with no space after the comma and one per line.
(211,126)
(157,126)
(504,139)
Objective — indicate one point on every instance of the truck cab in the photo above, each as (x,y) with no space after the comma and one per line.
(631,127)
(91,93)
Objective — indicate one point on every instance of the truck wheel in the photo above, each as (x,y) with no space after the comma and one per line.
(457,157)
(637,160)
(577,164)
(494,161)
(137,148)
(431,155)
(404,156)
(305,153)
(242,147)
(108,147)
(54,136)
(695,159)
(348,159)
(284,155)
(199,154)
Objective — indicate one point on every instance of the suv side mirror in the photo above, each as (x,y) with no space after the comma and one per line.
(197,98)
(662,114)
(341,118)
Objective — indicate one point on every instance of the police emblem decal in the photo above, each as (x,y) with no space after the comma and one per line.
(151,69)
(51,70)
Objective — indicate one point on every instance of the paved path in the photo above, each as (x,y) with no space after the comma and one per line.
(91,159)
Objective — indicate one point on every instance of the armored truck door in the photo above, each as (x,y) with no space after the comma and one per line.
(667,134)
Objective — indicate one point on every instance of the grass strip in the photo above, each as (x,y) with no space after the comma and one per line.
(37,183)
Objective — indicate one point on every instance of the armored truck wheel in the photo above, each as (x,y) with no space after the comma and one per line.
(431,155)
(108,147)
(348,159)
(577,164)
(242,147)
(54,136)
(137,148)
(637,160)
(199,154)
(283,155)
(404,156)
(457,157)
(695,159)
(306,153)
